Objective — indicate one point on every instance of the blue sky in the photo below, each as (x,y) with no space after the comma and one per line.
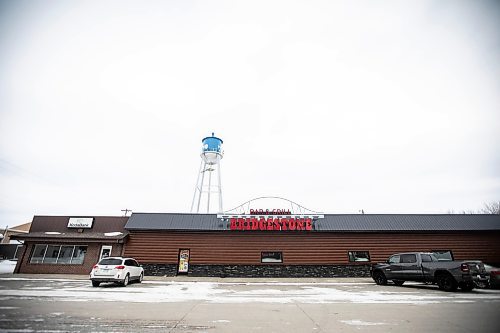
(387,106)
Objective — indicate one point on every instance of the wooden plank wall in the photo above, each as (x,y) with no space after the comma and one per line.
(304,248)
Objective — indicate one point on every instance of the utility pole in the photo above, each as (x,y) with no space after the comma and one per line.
(125,211)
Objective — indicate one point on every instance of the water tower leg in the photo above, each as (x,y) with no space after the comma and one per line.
(196,187)
(209,189)
(201,186)
(220,188)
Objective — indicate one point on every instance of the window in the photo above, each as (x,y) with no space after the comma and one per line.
(394,259)
(38,254)
(271,257)
(110,261)
(131,262)
(443,255)
(408,258)
(58,254)
(65,254)
(79,255)
(356,256)
(51,254)
(426,257)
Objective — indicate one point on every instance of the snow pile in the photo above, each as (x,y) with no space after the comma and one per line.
(7,266)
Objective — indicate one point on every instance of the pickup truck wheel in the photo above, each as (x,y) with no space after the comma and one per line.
(466,286)
(447,282)
(379,278)
(398,283)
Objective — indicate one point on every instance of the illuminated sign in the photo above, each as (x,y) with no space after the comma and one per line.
(80,222)
(270,212)
(271,223)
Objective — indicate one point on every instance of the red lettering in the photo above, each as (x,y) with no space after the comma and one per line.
(232,223)
(277,224)
(255,223)
(270,223)
(308,224)
(291,224)
(262,224)
(300,224)
(240,222)
(284,224)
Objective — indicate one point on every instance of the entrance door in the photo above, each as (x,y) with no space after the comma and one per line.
(183,261)
(105,251)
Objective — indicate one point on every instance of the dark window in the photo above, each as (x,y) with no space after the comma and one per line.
(426,257)
(79,255)
(394,259)
(52,254)
(58,254)
(110,262)
(65,255)
(355,256)
(408,258)
(443,255)
(271,257)
(38,254)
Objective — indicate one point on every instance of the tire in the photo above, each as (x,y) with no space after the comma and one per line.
(126,280)
(379,278)
(95,283)
(140,278)
(398,283)
(446,282)
(466,286)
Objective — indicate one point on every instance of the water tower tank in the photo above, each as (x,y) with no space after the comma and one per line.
(212,149)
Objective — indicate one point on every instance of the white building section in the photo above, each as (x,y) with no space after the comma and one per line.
(208,190)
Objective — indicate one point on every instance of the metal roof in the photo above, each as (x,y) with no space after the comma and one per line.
(330,222)
(173,221)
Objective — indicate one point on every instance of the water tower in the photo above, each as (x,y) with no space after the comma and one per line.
(211,154)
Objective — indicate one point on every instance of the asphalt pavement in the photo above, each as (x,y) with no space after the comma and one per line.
(68,303)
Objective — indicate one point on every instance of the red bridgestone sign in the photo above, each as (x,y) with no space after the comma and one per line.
(271,223)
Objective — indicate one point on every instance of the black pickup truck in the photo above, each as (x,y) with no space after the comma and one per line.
(425,267)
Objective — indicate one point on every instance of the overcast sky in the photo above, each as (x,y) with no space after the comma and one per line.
(385,106)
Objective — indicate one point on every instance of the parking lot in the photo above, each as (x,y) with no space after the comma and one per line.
(37,303)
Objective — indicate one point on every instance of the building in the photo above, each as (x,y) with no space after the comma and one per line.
(259,244)
(18,229)
(301,246)
(70,245)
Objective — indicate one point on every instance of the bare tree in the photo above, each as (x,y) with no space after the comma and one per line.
(491,208)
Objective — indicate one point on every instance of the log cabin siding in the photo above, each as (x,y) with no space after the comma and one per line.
(319,248)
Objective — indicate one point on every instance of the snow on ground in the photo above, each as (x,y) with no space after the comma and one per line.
(360,323)
(7,266)
(215,292)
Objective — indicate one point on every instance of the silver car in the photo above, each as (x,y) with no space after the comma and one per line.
(116,269)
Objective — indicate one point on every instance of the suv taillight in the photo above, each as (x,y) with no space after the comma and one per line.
(120,267)
(495,273)
(464,268)
(95,267)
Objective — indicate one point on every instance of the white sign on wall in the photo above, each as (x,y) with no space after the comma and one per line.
(80,222)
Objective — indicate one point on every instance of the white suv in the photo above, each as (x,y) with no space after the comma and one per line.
(116,269)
